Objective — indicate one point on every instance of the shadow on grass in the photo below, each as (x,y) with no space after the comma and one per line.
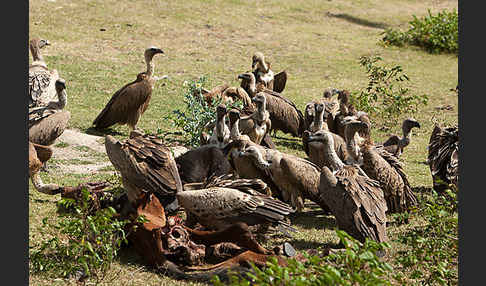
(358,21)
(291,143)
(314,219)
(102,132)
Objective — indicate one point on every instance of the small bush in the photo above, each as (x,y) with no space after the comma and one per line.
(432,250)
(87,243)
(356,265)
(385,98)
(197,113)
(435,33)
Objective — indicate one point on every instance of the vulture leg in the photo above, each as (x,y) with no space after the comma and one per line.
(238,233)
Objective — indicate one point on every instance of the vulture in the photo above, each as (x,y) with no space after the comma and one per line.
(356,201)
(296,178)
(257,124)
(314,149)
(285,116)
(234,120)
(41,80)
(228,94)
(382,166)
(243,165)
(263,73)
(38,155)
(331,109)
(199,164)
(131,101)
(221,203)
(443,157)
(47,123)
(146,164)
(221,131)
(395,144)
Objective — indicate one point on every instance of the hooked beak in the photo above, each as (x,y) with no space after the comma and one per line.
(253,65)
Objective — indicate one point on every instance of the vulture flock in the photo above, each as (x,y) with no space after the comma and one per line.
(237,176)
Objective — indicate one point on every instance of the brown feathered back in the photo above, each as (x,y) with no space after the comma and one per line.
(443,157)
(127,104)
(146,165)
(46,130)
(356,201)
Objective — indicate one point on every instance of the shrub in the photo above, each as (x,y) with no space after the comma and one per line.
(356,265)
(385,98)
(86,245)
(435,33)
(198,113)
(432,250)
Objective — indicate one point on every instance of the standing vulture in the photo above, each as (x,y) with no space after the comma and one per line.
(443,157)
(264,74)
(221,131)
(41,80)
(130,102)
(355,200)
(47,123)
(395,144)
(257,124)
(285,116)
(146,164)
(382,166)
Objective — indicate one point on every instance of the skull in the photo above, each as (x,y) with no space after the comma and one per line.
(182,249)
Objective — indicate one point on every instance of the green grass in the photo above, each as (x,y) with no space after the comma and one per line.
(314,41)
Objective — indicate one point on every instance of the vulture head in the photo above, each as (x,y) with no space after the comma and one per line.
(220,111)
(322,136)
(233,115)
(253,153)
(150,52)
(35,45)
(319,108)
(353,126)
(343,96)
(410,123)
(260,100)
(329,92)
(248,76)
(60,85)
(257,59)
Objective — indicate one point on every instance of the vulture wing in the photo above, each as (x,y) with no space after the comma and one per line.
(146,163)
(279,81)
(124,102)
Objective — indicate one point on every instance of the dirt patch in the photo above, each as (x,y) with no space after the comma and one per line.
(81,153)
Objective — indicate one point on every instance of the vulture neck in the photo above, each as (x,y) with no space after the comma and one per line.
(49,189)
(36,54)
(262,66)
(150,66)
(235,130)
(220,128)
(62,99)
(407,136)
(351,146)
(331,159)
(252,86)
(260,113)
(318,123)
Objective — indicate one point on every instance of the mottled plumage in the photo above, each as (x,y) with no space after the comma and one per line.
(146,164)
(443,157)
(382,166)
(219,204)
(41,80)
(356,201)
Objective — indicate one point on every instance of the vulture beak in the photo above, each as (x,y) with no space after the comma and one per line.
(47,43)
(241,76)
(159,51)
(418,125)
(253,65)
